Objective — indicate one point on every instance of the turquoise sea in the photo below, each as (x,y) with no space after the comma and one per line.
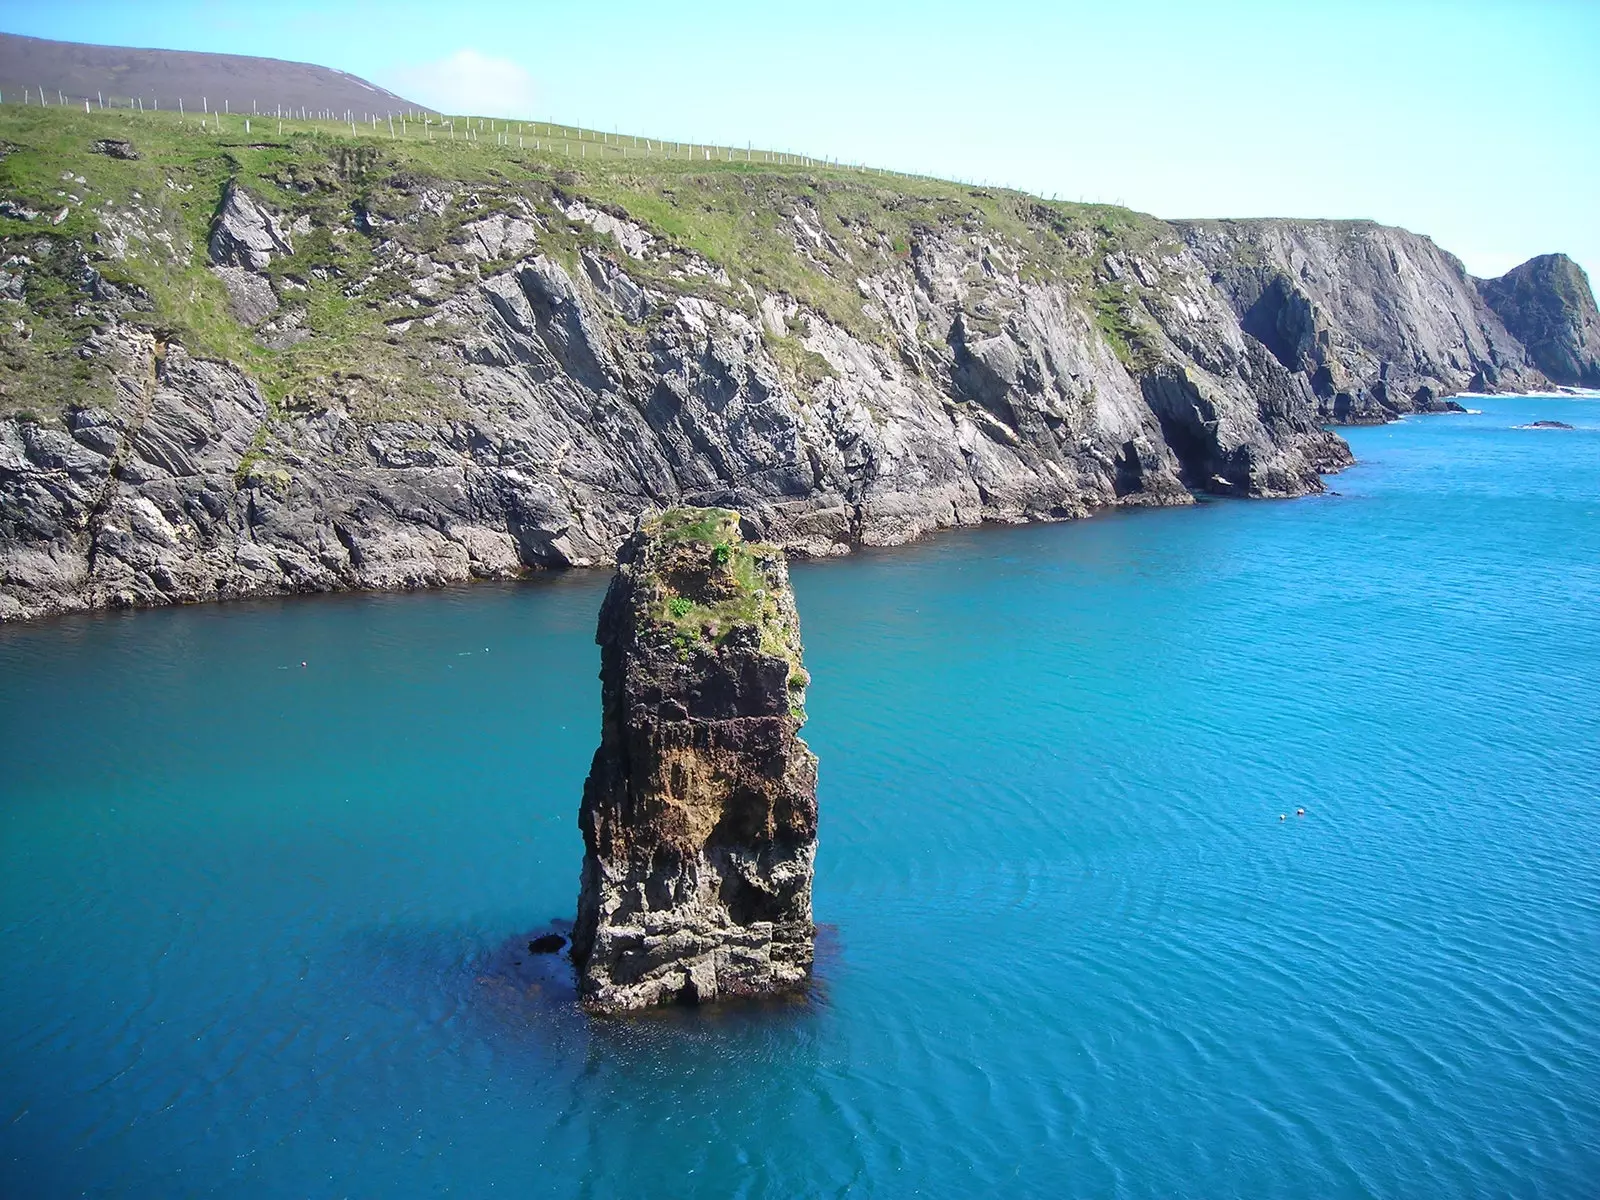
(263,924)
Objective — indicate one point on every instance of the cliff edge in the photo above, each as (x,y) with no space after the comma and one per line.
(699,815)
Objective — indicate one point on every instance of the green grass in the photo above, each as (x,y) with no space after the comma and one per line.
(806,367)
(707,581)
(734,210)
(1112,318)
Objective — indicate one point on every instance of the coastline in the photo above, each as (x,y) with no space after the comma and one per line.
(554,573)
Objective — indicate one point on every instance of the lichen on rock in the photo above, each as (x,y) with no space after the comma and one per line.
(699,816)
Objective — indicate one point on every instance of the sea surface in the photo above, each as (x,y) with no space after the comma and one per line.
(267,872)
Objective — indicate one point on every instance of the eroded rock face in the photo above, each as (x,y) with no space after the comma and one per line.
(245,238)
(699,816)
(530,406)
(1547,303)
(1381,322)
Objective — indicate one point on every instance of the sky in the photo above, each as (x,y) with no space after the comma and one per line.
(1476,122)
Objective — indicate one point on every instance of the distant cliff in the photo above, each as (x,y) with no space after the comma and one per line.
(1546,303)
(237,363)
(1381,321)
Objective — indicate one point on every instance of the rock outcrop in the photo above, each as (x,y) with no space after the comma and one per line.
(244,234)
(1546,303)
(699,816)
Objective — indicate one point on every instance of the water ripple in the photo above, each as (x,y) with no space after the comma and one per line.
(270,930)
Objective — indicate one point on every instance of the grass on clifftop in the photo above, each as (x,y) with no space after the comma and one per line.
(708,581)
(774,224)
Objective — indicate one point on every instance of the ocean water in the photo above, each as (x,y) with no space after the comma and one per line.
(269,870)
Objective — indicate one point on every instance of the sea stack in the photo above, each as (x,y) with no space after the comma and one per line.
(699,816)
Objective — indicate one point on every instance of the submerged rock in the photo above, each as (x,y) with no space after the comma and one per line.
(699,816)
(1545,425)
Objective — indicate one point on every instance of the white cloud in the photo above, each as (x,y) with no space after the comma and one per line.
(467,82)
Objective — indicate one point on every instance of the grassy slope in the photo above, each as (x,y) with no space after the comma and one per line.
(731,208)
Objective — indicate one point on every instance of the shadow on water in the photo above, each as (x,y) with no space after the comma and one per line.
(506,994)
(575,581)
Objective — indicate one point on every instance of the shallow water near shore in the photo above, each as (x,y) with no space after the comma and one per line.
(264,924)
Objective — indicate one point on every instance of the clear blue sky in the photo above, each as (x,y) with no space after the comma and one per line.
(1474,121)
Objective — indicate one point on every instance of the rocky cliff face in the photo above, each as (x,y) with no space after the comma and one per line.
(304,366)
(1547,305)
(699,816)
(1381,321)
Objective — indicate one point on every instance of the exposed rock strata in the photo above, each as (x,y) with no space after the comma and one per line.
(699,816)
(998,376)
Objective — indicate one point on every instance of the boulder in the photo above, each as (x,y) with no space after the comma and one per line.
(251,299)
(114,148)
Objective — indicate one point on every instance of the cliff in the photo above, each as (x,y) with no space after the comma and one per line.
(238,363)
(1380,320)
(699,816)
(1546,303)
